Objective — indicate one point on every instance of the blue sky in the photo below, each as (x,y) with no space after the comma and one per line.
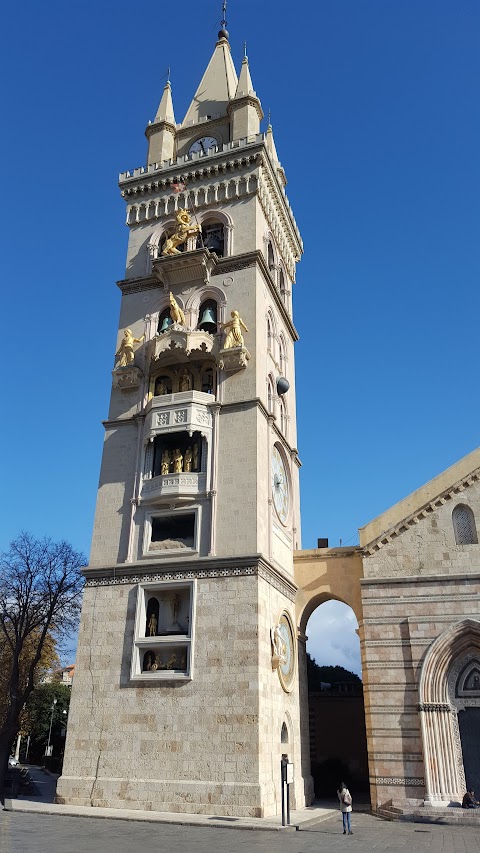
(376,117)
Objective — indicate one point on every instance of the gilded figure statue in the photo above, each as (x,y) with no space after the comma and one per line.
(176,312)
(233,331)
(165,462)
(177,461)
(187,460)
(160,388)
(125,350)
(152,626)
(183,230)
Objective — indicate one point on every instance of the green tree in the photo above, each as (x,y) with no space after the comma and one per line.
(40,595)
(327,674)
(42,708)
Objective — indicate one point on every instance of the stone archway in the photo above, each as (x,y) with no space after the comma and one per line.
(323,575)
(444,692)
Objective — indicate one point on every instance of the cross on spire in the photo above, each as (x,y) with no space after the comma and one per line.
(223,22)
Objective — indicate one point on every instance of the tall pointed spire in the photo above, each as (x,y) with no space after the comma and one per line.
(245,109)
(217,86)
(245,85)
(165,108)
(161,133)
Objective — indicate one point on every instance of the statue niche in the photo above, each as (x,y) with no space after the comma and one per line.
(176,453)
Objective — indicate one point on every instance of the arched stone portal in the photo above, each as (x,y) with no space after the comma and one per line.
(450,688)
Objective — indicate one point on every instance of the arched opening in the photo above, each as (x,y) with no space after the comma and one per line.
(208,316)
(449,694)
(164,321)
(338,741)
(162,385)
(213,237)
(270,257)
(464,525)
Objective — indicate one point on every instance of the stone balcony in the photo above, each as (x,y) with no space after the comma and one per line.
(184,485)
(184,411)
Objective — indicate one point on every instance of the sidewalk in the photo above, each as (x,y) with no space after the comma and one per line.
(299,819)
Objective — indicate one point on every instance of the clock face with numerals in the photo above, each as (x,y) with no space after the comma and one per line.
(203,144)
(279,486)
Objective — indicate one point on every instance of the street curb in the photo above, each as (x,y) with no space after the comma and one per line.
(28,807)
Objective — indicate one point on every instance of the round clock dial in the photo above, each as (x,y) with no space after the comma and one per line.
(279,486)
(286,669)
(203,144)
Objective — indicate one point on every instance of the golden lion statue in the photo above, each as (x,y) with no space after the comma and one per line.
(183,230)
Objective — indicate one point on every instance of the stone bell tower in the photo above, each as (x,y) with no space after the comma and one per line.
(187,688)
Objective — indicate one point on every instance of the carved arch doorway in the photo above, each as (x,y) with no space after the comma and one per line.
(449,693)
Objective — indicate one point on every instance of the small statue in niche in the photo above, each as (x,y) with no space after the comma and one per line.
(149,661)
(171,661)
(176,312)
(165,469)
(279,645)
(234,337)
(160,388)
(183,230)
(152,626)
(185,381)
(175,610)
(183,661)
(154,665)
(195,457)
(125,350)
(187,462)
(177,461)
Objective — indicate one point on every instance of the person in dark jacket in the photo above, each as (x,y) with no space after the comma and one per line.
(469,801)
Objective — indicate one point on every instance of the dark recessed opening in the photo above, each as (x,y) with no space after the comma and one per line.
(174,531)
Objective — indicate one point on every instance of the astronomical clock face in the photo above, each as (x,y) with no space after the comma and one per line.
(286,669)
(279,486)
(203,144)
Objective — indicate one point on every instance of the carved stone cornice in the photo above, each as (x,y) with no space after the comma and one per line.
(422,512)
(138,284)
(188,569)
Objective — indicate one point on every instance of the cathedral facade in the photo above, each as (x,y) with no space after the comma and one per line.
(190,685)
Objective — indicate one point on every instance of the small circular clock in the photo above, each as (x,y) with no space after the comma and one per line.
(203,144)
(279,485)
(286,669)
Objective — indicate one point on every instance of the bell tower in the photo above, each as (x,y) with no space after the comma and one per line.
(187,688)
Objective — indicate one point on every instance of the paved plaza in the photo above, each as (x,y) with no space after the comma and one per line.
(39,833)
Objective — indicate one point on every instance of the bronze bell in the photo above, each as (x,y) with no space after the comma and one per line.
(167,321)
(208,321)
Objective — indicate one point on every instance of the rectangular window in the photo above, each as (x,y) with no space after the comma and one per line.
(163,641)
(170,533)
